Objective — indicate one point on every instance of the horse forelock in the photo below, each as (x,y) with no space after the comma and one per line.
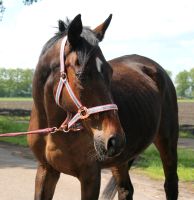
(63,26)
(88,41)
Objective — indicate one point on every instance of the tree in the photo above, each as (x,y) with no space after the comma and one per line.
(191,75)
(3,88)
(182,81)
(2,10)
(169,73)
(16,82)
(29,2)
(25,2)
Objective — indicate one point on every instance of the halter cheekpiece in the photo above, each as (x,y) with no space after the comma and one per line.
(83,112)
(69,123)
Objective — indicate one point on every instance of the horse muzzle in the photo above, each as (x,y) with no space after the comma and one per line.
(108,146)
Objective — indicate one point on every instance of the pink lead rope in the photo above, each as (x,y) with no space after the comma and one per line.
(39,131)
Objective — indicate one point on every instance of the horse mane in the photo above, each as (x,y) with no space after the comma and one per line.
(89,39)
(62,31)
(63,26)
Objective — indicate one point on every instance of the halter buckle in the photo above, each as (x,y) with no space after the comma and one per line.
(83,111)
(55,129)
(65,128)
(63,75)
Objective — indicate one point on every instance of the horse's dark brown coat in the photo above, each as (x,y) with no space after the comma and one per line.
(147,105)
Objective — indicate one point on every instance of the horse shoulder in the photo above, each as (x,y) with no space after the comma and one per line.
(36,142)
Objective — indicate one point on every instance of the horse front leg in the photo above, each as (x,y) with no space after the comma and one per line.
(123,181)
(90,178)
(45,183)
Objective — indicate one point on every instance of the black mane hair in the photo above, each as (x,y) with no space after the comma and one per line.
(62,31)
(86,34)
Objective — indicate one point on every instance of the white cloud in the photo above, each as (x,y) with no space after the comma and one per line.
(147,27)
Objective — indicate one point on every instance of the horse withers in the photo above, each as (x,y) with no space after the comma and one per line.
(77,90)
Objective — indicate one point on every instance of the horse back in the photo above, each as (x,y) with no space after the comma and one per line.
(146,99)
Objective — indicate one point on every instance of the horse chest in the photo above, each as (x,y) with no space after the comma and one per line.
(60,159)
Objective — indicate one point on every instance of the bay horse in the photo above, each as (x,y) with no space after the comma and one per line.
(73,72)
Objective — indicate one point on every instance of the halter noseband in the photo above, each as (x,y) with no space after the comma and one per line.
(83,112)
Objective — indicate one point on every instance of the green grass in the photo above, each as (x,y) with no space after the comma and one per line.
(14,124)
(15,99)
(185,100)
(185,134)
(150,164)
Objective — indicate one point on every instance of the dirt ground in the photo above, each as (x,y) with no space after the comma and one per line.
(186,113)
(18,169)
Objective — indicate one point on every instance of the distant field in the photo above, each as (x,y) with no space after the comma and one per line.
(185,100)
(186,113)
(16,103)
(186,107)
(15,99)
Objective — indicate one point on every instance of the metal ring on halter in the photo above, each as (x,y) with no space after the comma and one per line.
(83,111)
(63,75)
(64,128)
(55,129)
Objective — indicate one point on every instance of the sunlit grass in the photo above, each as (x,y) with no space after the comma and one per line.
(186,134)
(150,164)
(14,124)
(15,99)
(185,100)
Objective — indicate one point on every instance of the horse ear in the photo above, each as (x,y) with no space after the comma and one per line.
(74,30)
(61,26)
(101,29)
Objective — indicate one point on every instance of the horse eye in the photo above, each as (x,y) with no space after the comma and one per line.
(77,62)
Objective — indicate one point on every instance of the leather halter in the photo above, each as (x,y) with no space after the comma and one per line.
(69,123)
(83,112)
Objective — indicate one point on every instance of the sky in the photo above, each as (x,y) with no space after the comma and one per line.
(162,30)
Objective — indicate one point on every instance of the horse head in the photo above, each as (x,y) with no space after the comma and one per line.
(89,77)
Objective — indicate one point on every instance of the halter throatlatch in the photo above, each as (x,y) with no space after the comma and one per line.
(83,112)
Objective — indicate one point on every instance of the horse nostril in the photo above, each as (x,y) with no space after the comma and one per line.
(111,146)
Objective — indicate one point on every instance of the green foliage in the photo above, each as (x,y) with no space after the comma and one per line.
(25,2)
(185,84)
(14,124)
(29,2)
(182,83)
(2,10)
(16,82)
(186,134)
(191,74)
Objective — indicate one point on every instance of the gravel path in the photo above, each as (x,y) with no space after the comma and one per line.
(18,169)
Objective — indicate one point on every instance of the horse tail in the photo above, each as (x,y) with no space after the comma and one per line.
(110,190)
